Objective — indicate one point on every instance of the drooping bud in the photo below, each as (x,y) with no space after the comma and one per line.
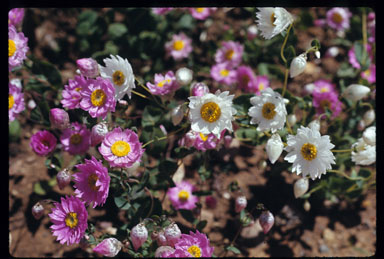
(307,205)
(31,104)
(227,141)
(240,203)
(252,32)
(274,147)
(109,247)
(139,235)
(309,88)
(63,178)
(317,54)
(314,125)
(172,233)
(98,133)
(356,92)
(88,67)
(37,211)
(266,221)
(300,187)
(177,115)
(190,138)
(369,135)
(199,89)
(161,239)
(184,76)
(59,118)
(298,65)
(291,118)
(361,125)
(164,251)
(369,117)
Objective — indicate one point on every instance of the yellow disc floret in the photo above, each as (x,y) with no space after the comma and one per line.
(92,178)
(71,220)
(210,112)
(309,151)
(183,195)
(98,97)
(161,83)
(178,45)
(337,18)
(75,139)
(203,137)
(118,78)
(199,10)
(268,111)
(120,148)
(11,48)
(224,72)
(195,251)
(229,54)
(273,19)
(11,101)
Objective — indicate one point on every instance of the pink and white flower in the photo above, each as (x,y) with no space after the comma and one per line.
(43,142)
(179,47)
(201,13)
(223,74)
(193,245)
(76,139)
(181,196)
(72,92)
(163,84)
(17,47)
(231,54)
(338,18)
(15,101)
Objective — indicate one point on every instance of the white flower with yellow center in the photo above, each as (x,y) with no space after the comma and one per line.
(211,113)
(272,21)
(120,72)
(309,152)
(268,111)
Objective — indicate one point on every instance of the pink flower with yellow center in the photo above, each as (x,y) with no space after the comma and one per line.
(370,74)
(338,18)
(262,83)
(201,13)
(210,141)
(193,245)
(43,142)
(163,84)
(352,56)
(179,47)
(223,74)
(17,48)
(76,139)
(72,92)
(246,78)
(15,101)
(15,16)
(181,196)
(231,53)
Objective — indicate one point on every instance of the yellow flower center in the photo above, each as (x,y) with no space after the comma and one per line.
(268,111)
(92,178)
(261,86)
(308,151)
(161,83)
(120,148)
(183,195)
(203,137)
(98,97)
(229,54)
(210,112)
(75,139)
(78,89)
(200,10)
(337,18)
(71,220)
(367,72)
(118,77)
(11,48)
(273,19)
(178,45)
(324,90)
(224,72)
(195,251)
(11,101)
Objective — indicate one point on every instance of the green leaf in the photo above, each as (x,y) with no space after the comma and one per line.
(363,172)
(14,130)
(182,152)
(242,103)
(86,21)
(167,167)
(116,30)
(49,71)
(122,203)
(151,116)
(38,189)
(187,215)
(233,249)
(315,43)
(361,55)
(186,22)
(289,54)
(201,225)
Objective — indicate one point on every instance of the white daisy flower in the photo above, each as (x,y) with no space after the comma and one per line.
(309,152)
(211,113)
(119,71)
(272,21)
(268,111)
(363,153)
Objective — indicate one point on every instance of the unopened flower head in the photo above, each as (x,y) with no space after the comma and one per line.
(109,247)
(179,47)
(240,203)
(184,76)
(72,92)
(63,178)
(121,148)
(268,111)
(181,196)
(199,89)
(291,118)
(274,147)
(262,83)
(211,113)
(59,118)
(163,84)
(139,235)
(69,220)
(298,65)
(271,21)
(309,152)
(246,79)
(177,114)
(252,32)
(172,233)
(300,187)
(92,182)
(88,67)
(201,13)
(17,48)
(338,18)
(43,142)
(230,53)
(98,133)
(356,92)
(76,139)
(164,251)
(363,153)
(119,72)
(223,74)
(193,245)
(369,117)
(266,221)
(15,101)
(369,135)
(37,211)
(15,16)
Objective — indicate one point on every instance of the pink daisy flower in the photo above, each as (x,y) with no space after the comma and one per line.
(76,139)
(246,79)
(163,84)
(338,18)
(17,47)
(72,92)
(262,83)
(92,182)
(15,16)
(43,142)
(161,10)
(230,53)
(98,97)
(121,148)
(371,27)
(323,86)
(109,247)
(15,101)
(201,13)
(179,47)
(352,56)
(370,74)
(181,196)
(69,220)
(199,89)
(223,74)
(329,100)
(210,141)
(193,245)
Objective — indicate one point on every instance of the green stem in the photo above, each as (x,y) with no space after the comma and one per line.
(284,43)
(345,175)
(364,30)
(341,150)
(285,81)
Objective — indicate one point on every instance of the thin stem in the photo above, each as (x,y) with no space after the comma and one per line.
(285,81)
(284,43)
(341,150)
(162,138)
(364,30)
(152,203)
(289,128)
(345,175)
(146,88)
(367,104)
(316,189)
(139,94)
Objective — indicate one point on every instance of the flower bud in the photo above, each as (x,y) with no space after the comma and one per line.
(161,239)
(274,148)
(172,233)
(88,67)
(317,54)
(190,138)
(31,104)
(307,205)
(300,187)
(266,221)
(298,65)
(164,251)
(184,76)
(139,235)
(369,135)
(199,89)
(314,125)
(291,118)
(37,211)
(252,32)
(84,244)
(309,88)
(240,203)
(109,247)
(211,202)
(98,133)
(355,92)
(227,141)
(59,119)
(63,178)
(369,117)
(177,115)
(332,52)
(361,125)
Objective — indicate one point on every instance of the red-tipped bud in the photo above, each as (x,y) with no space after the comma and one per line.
(37,211)
(59,118)
(63,178)
(139,235)
(240,203)
(266,221)
(172,233)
